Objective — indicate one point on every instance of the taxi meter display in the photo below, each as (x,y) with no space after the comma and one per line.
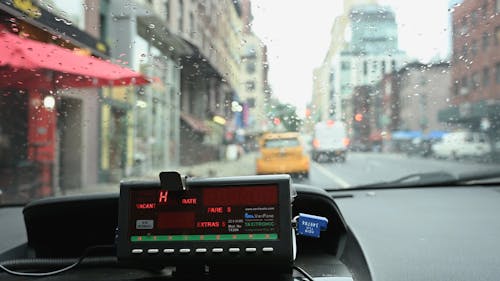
(206,214)
(212,221)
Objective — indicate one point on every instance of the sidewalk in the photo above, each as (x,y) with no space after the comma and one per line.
(240,167)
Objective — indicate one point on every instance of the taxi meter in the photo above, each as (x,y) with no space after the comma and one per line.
(244,220)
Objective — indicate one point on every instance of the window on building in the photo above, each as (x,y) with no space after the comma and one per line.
(393,65)
(463,30)
(497,6)
(484,9)
(497,73)
(181,16)
(103,16)
(250,67)
(167,10)
(475,80)
(456,88)
(497,34)
(382,63)
(473,18)
(464,86)
(191,25)
(365,68)
(250,85)
(486,77)
(103,27)
(251,102)
(485,40)
(473,48)
(464,52)
(345,65)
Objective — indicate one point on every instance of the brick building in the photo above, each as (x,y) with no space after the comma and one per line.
(475,82)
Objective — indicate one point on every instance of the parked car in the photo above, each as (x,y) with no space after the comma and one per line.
(462,144)
(420,147)
(282,153)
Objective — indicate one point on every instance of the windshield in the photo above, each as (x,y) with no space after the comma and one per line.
(277,143)
(95,92)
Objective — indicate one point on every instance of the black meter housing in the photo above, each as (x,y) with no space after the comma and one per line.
(218,221)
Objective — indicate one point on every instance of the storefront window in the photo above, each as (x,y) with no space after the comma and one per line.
(71,12)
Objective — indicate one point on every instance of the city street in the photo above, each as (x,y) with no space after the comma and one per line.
(365,168)
(359,168)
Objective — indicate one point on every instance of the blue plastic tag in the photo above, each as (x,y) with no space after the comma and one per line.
(310,225)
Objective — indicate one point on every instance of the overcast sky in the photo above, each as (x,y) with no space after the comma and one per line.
(297,35)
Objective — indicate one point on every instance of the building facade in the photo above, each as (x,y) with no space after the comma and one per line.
(58,132)
(322,102)
(423,92)
(475,82)
(371,53)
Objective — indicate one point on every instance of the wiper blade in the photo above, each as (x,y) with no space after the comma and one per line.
(412,180)
(440,178)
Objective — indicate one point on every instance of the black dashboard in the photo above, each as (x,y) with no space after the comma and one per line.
(445,233)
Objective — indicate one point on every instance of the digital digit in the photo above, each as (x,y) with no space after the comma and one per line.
(163,197)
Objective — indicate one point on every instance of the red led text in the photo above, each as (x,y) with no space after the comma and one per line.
(215,210)
(188,201)
(145,205)
(206,224)
(162,198)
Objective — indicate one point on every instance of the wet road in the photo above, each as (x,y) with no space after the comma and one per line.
(364,168)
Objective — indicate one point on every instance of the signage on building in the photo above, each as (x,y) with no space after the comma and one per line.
(29,11)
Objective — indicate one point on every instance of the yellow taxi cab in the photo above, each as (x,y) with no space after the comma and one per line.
(282,153)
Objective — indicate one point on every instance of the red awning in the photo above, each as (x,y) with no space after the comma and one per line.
(25,63)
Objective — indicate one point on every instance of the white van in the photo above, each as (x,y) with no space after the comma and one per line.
(330,141)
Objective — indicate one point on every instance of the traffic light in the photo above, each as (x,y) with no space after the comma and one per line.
(358,117)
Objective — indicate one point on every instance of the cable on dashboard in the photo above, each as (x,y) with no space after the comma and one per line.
(51,262)
(304,273)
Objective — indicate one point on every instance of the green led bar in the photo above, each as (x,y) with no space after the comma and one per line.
(211,237)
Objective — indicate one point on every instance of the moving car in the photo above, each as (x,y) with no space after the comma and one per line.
(282,153)
(330,141)
(462,144)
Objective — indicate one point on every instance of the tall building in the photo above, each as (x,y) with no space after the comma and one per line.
(373,30)
(475,70)
(195,52)
(140,130)
(371,53)
(322,105)
(253,71)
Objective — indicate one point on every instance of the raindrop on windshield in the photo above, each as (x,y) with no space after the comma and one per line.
(66,22)
(152,26)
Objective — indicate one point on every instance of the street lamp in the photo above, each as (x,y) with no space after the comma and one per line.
(49,102)
(236,107)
